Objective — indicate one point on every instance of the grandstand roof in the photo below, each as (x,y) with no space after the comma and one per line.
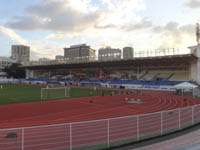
(172,61)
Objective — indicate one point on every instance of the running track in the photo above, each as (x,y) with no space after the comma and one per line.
(92,132)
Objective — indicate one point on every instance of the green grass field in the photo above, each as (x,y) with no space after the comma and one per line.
(13,94)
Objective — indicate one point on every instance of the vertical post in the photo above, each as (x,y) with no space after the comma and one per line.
(108,132)
(70,134)
(41,93)
(137,73)
(193,115)
(161,122)
(138,129)
(193,95)
(100,73)
(179,118)
(47,94)
(65,91)
(22,138)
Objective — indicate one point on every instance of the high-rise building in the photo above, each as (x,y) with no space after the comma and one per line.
(59,57)
(109,53)
(5,62)
(83,52)
(20,53)
(127,52)
(44,59)
(198,33)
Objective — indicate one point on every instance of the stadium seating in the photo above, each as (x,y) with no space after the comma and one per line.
(155,78)
(112,82)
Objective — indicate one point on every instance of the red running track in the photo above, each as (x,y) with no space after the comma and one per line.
(92,132)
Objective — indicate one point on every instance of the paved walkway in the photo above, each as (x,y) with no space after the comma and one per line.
(187,139)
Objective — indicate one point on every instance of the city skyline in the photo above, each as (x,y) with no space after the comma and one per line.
(47,26)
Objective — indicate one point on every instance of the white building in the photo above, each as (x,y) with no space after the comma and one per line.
(20,53)
(82,51)
(5,62)
(109,53)
(195,65)
(128,53)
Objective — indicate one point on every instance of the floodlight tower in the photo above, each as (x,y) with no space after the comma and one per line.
(198,33)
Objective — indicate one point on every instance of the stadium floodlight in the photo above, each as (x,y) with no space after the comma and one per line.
(55,93)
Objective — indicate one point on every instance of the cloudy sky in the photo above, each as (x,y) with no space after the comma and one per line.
(49,25)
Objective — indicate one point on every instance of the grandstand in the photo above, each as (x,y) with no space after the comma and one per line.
(166,68)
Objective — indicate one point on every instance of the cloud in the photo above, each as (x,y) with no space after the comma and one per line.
(173,35)
(169,35)
(45,48)
(56,15)
(144,24)
(55,35)
(119,13)
(193,3)
(77,15)
(110,22)
(105,26)
(12,35)
(39,49)
(128,5)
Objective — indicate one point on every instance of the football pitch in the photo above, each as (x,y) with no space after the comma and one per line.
(14,94)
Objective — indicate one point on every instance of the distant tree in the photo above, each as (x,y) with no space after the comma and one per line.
(15,71)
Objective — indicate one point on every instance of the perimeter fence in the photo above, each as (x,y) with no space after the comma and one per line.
(189,141)
(196,92)
(99,134)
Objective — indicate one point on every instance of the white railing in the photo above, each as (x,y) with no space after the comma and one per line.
(159,52)
(99,134)
(187,141)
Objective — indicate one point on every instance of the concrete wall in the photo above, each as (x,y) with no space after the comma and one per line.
(195,65)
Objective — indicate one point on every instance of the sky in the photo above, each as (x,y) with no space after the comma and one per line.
(47,26)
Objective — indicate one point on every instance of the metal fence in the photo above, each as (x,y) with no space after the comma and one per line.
(196,92)
(190,141)
(159,52)
(98,134)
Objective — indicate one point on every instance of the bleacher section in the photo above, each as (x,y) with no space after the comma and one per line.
(145,77)
(110,82)
(166,75)
(180,76)
(153,82)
